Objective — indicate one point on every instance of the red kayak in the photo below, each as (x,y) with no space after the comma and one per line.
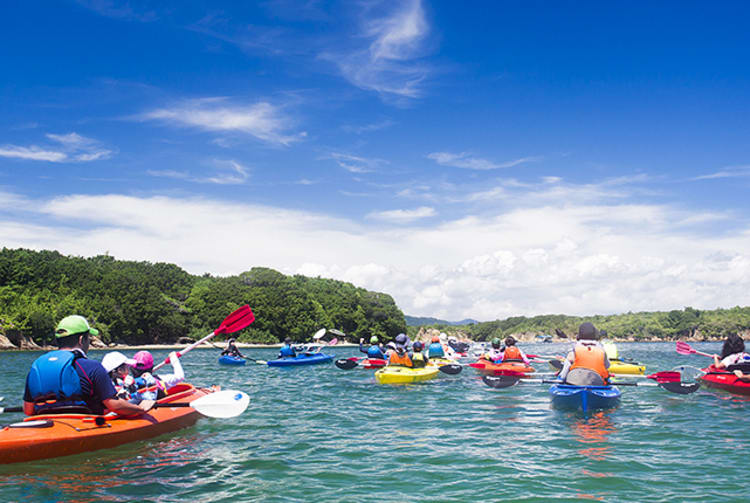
(722,379)
(369,363)
(487,367)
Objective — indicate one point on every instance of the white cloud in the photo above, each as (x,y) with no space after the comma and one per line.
(402,216)
(261,120)
(390,62)
(574,258)
(465,160)
(72,148)
(728,172)
(227,172)
(356,164)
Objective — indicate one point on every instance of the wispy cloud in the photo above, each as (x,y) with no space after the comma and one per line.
(465,160)
(261,120)
(369,128)
(390,62)
(228,172)
(355,164)
(70,147)
(129,10)
(728,172)
(402,216)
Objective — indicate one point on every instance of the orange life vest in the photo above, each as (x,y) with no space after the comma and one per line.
(512,353)
(396,359)
(591,358)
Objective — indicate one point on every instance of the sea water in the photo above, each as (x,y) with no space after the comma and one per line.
(319,433)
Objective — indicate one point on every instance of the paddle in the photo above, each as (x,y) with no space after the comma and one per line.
(238,320)
(450,369)
(346,364)
(320,333)
(505,381)
(222,404)
(684,349)
(561,334)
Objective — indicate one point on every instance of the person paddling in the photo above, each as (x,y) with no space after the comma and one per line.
(153,387)
(435,349)
(733,354)
(587,364)
(117,366)
(287,350)
(374,350)
(513,353)
(399,356)
(231,349)
(66,380)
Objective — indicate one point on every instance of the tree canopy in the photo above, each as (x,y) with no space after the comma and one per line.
(141,302)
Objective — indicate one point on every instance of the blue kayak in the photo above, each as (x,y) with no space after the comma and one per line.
(301,359)
(231,360)
(568,396)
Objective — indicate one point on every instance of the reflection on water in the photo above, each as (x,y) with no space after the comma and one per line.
(593,432)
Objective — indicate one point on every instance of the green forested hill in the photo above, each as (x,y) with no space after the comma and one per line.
(666,325)
(140,302)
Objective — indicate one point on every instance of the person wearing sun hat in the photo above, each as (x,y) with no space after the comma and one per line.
(66,380)
(117,366)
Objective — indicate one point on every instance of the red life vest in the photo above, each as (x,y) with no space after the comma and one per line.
(512,353)
(590,357)
(396,359)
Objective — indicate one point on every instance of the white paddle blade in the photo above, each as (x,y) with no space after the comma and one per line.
(320,333)
(222,404)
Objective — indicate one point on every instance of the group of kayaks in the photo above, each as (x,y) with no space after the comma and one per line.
(306,358)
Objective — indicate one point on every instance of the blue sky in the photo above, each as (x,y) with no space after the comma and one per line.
(476,160)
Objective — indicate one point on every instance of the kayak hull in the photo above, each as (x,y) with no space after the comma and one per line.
(625,368)
(231,360)
(66,434)
(302,359)
(585,398)
(488,368)
(372,363)
(439,362)
(727,381)
(405,375)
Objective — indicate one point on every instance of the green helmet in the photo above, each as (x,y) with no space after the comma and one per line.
(495,342)
(374,339)
(74,325)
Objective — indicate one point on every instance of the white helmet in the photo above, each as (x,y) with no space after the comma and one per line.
(443,336)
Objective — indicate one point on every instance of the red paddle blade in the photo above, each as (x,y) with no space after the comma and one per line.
(238,320)
(684,348)
(666,376)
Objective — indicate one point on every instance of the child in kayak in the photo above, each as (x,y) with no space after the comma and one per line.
(399,356)
(418,359)
(231,349)
(66,380)
(733,354)
(287,350)
(118,366)
(513,353)
(374,350)
(587,364)
(495,353)
(153,387)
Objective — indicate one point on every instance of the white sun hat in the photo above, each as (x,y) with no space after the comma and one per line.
(114,359)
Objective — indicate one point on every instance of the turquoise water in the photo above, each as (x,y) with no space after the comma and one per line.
(323,434)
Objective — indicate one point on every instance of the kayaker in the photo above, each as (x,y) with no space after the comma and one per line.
(231,349)
(435,349)
(733,353)
(513,353)
(399,356)
(65,380)
(495,353)
(418,358)
(287,350)
(587,364)
(117,366)
(150,386)
(374,350)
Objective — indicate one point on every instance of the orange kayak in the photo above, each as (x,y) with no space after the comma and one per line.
(487,367)
(50,436)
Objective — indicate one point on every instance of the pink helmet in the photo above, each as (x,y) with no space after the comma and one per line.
(143,360)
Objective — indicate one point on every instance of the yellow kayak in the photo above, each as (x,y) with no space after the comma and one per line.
(405,375)
(621,367)
(439,362)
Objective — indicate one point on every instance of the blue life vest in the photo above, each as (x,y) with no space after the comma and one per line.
(375,352)
(53,378)
(435,349)
(287,351)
